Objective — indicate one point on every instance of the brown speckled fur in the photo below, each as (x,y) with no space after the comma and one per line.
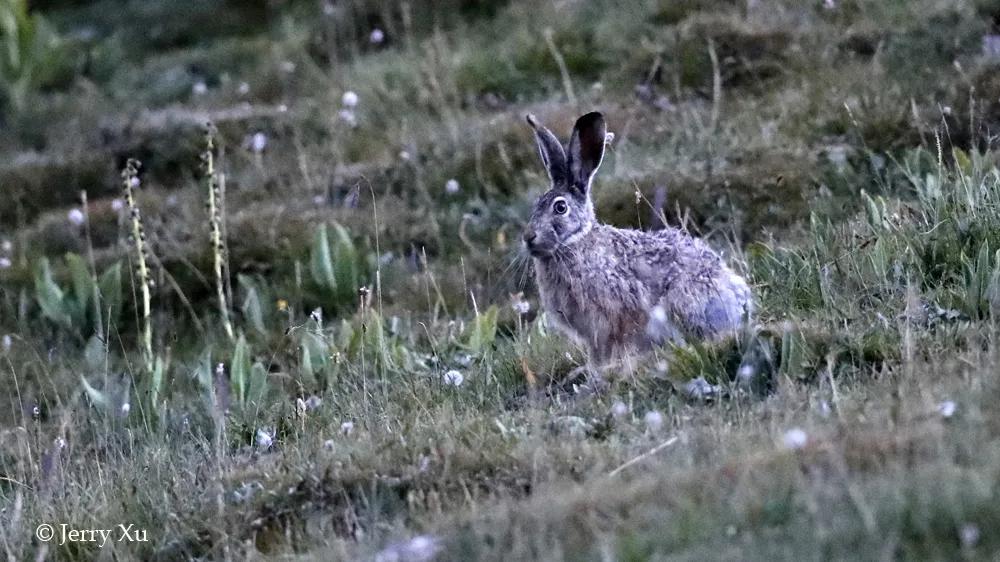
(617,289)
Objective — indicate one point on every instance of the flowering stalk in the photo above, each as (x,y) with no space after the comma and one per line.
(215,225)
(130,179)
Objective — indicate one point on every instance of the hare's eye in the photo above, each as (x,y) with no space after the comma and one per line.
(559,207)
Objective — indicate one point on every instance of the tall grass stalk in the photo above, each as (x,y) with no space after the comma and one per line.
(130,179)
(215,211)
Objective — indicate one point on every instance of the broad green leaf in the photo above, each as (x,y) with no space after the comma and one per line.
(50,297)
(97,398)
(252,309)
(110,285)
(321,261)
(484,330)
(83,282)
(95,354)
(239,371)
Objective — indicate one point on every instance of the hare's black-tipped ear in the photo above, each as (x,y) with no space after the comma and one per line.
(586,150)
(551,151)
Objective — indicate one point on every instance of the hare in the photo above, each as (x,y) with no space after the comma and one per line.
(618,289)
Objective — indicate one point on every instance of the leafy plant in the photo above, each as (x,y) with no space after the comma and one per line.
(335,265)
(88,304)
(30,52)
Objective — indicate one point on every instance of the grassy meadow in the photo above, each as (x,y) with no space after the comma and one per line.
(262,294)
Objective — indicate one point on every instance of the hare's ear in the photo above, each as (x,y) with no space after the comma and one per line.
(551,151)
(586,150)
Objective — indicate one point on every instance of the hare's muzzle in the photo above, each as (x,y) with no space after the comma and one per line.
(529,238)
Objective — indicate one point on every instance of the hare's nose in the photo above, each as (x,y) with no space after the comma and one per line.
(529,237)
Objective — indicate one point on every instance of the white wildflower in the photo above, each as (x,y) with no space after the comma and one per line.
(521,306)
(60,443)
(654,420)
(329,444)
(282,108)
(452,187)
(946,409)
(319,200)
(346,428)
(5,263)
(199,88)
(404,156)
(421,548)
(243,89)
(377,36)
(134,182)
(287,67)
(313,403)
(117,205)
(6,246)
(36,411)
(453,378)
(347,116)
(619,409)
(328,8)
(968,534)
(75,217)
(126,408)
(349,99)
(794,439)
(316,315)
(6,342)
(264,438)
(258,142)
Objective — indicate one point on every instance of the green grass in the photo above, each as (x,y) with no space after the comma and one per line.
(843,158)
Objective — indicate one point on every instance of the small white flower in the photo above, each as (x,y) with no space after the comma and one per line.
(171,201)
(404,156)
(319,200)
(264,438)
(135,182)
(258,142)
(422,548)
(830,4)
(243,89)
(287,66)
(377,36)
(328,8)
(946,409)
(946,110)
(199,88)
(794,439)
(6,246)
(117,205)
(75,217)
(521,306)
(347,116)
(349,99)
(282,108)
(346,428)
(6,342)
(329,445)
(313,403)
(746,371)
(60,443)
(654,420)
(5,263)
(452,187)
(36,411)
(453,378)
(968,534)
(316,315)
(126,408)
(619,409)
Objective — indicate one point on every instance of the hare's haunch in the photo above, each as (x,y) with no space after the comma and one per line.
(616,289)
